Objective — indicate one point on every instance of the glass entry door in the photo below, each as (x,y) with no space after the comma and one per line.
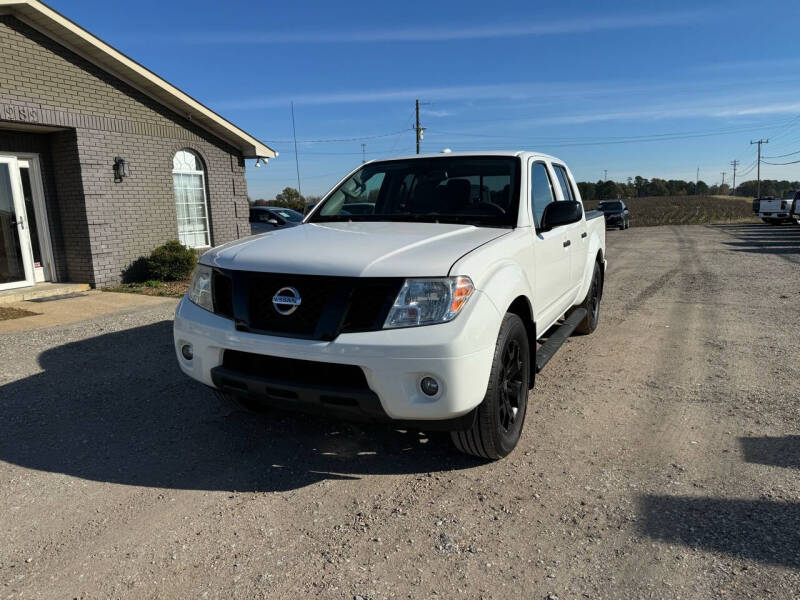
(16,269)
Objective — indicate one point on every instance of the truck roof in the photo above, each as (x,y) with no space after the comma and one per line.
(520,153)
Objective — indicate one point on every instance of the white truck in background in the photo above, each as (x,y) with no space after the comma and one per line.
(795,212)
(414,294)
(776,211)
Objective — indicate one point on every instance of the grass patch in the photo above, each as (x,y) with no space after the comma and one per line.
(171,289)
(9,312)
(687,210)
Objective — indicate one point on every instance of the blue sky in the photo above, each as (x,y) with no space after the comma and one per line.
(656,89)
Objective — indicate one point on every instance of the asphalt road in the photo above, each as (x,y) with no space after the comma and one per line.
(659,460)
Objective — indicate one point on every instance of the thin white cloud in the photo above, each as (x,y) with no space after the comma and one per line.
(765,64)
(456,93)
(545,27)
(529,93)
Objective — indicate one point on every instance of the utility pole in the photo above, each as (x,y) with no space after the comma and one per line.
(758,185)
(697,180)
(363,153)
(734,164)
(419,129)
(605,174)
(296,160)
(723,181)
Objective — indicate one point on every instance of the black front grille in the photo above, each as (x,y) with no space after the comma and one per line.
(369,305)
(222,292)
(329,305)
(315,294)
(301,372)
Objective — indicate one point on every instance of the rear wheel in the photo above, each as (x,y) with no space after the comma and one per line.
(592,303)
(498,424)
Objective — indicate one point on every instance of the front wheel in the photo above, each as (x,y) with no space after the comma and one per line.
(498,424)
(592,303)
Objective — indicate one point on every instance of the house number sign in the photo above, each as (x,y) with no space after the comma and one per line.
(20,113)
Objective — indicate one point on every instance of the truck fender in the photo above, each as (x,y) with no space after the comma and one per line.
(505,284)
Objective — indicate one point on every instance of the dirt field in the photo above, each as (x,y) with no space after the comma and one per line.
(687,210)
(660,459)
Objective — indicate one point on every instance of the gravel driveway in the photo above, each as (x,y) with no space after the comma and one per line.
(660,459)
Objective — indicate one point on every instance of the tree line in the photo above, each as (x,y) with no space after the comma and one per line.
(637,187)
(288,198)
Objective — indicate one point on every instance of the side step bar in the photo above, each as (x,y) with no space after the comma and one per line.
(558,337)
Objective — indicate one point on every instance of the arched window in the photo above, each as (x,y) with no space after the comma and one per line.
(189,181)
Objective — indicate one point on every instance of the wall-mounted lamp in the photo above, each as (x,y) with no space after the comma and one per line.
(261,160)
(120,169)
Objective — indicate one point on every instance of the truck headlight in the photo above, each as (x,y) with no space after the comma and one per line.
(200,289)
(429,301)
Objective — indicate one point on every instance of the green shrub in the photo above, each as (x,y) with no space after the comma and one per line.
(171,262)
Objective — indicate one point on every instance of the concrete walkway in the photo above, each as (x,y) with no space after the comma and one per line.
(41,290)
(70,310)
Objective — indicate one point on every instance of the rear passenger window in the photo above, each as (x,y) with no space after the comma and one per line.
(541,191)
(563,181)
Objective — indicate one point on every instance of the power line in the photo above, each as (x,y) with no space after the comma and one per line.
(608,142)
(782,155)
(793,162)
(332,140)
(748,170)
(676,134)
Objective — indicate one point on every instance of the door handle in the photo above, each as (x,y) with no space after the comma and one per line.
(567,243)
(583,235)
(18,221)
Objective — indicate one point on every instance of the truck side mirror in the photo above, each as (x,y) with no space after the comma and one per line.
(559,213)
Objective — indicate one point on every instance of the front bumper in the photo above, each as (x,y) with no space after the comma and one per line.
(457,354)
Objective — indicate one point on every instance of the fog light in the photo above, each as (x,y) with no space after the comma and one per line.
(186,350)
(429,386)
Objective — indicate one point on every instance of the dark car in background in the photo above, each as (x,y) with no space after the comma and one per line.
(617,214)
(269,218)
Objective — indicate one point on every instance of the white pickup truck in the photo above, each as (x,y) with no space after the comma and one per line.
(776,210)
(793,197)
(432,305)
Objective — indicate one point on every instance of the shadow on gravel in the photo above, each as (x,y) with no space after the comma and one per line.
(776,451)
(117,408)
(759,530)
(760,238)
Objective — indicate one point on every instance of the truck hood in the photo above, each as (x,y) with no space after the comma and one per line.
(355,249)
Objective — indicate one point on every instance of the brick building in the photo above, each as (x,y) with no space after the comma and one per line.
(101,160)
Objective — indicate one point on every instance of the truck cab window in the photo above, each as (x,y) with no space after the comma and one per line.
(563,181)
(541,191)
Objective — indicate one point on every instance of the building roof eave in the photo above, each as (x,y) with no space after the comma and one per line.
(58,27)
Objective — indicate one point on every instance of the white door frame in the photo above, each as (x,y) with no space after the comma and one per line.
(22,230)
(40,207)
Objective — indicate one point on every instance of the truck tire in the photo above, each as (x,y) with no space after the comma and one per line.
(499,419)
(592,303)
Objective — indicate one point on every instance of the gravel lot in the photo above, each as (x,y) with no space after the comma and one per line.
(660,459)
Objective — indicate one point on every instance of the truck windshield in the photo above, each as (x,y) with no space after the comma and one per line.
(482,191)
(610,206)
